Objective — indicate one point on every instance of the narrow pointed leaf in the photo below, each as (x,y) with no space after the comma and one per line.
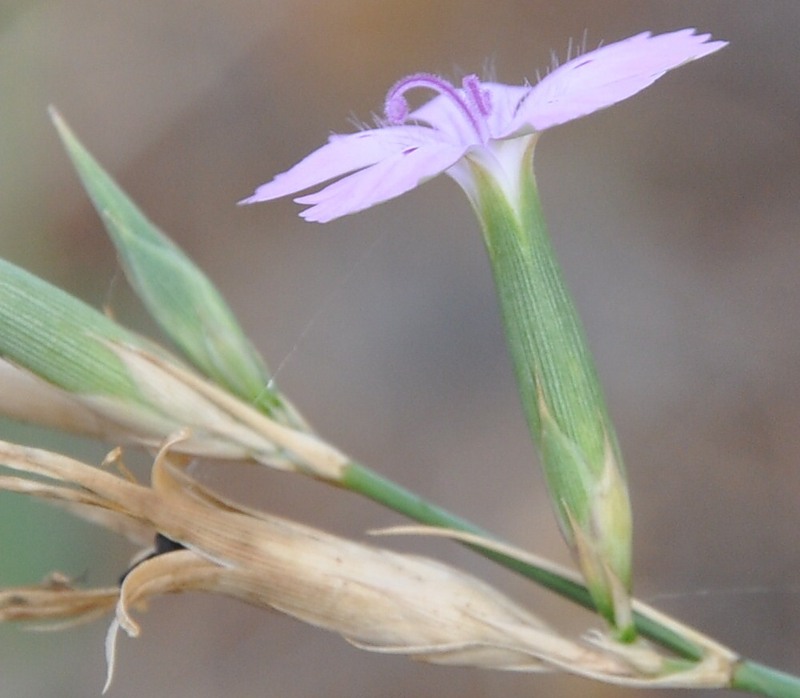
(61,339)
(177,293)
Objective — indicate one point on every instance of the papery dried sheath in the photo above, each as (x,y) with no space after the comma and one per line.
(376,598)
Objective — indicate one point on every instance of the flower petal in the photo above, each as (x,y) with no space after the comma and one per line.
(505,100)
(606,76)
(385,180)
(443,114)
(340,155)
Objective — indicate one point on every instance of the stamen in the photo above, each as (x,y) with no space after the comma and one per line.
(475,107)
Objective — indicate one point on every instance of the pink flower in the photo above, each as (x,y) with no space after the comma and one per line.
(482,122)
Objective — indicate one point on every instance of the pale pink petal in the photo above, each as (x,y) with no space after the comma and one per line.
(445,116)
(339,156)
(442,114)
(505,100)
(382,163)
(606,76)
(383,181)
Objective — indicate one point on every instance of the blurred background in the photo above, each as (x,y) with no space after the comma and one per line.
(675,216)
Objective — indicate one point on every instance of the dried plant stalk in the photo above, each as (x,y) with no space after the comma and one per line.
(375,598)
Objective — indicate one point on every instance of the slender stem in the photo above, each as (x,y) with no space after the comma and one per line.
(753,677)
(361,479)
(748,676)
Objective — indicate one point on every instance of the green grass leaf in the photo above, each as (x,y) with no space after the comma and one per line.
(61,339)
(176,292)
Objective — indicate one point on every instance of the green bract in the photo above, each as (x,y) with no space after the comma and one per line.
(176,292)
(61,339)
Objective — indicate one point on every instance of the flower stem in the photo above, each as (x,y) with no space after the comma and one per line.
(753,677)
(360,479)
(748,676)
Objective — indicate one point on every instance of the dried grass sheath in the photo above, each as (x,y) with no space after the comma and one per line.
(375,598)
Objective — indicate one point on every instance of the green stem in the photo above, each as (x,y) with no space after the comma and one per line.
(748,676)
(753,677)
(358,478)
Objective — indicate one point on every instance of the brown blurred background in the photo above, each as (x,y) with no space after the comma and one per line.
(676,218)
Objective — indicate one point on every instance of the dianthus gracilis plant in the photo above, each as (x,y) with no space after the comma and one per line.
(81,371)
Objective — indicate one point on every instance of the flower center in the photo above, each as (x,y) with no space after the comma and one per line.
(471,102)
